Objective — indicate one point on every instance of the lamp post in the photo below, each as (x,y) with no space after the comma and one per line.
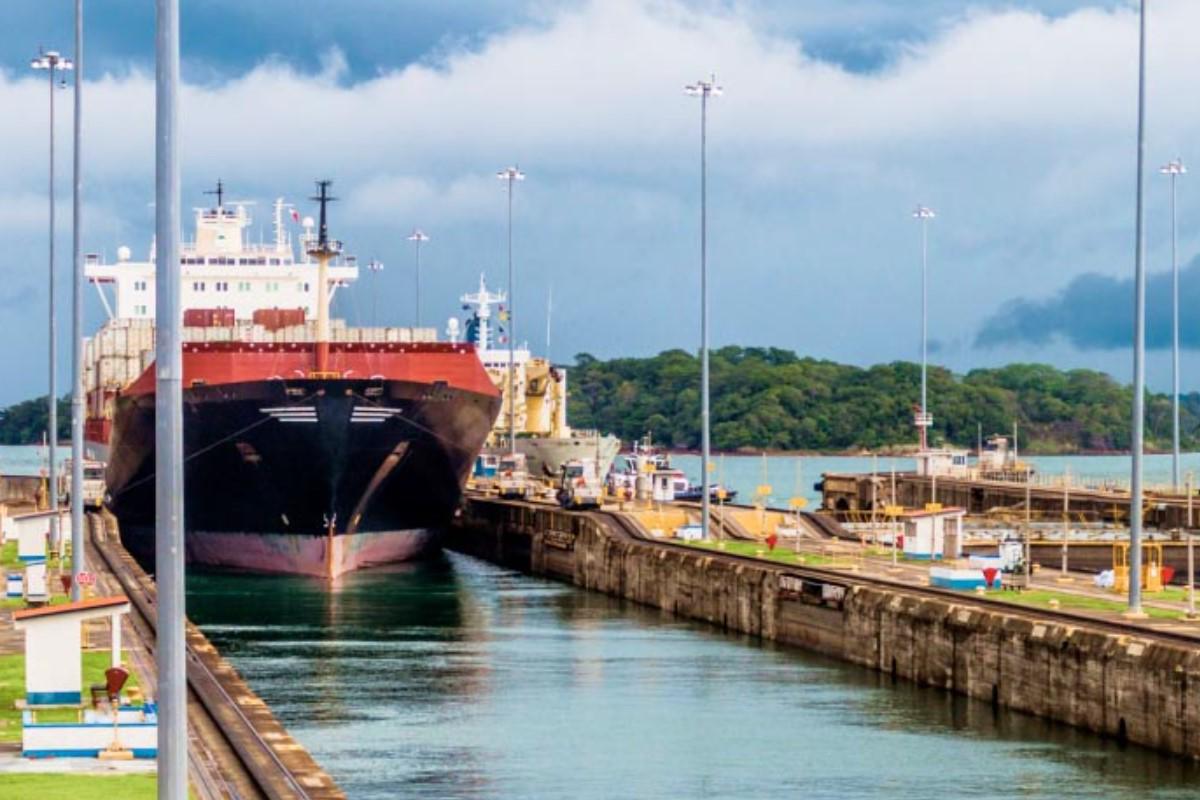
(376,267)
(52,61)
(1139,339)
(511,175)
(417,237)
(924,419)
(168,415)
(1174,169)
(78,562)
(704,89)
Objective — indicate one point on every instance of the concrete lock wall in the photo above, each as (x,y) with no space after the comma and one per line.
(1133,689)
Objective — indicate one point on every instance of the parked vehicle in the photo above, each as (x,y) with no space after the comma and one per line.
(512,477)
(579,484)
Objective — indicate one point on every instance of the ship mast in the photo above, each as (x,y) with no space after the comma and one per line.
(483,300)
(323,249)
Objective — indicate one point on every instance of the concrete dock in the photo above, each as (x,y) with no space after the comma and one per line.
(237,749)
(847,493)
(1136,681)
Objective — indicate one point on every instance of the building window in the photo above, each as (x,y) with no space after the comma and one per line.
(198,286)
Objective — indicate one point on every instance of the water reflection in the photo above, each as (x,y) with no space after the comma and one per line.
(456,679)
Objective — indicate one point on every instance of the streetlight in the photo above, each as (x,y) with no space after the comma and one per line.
(52,62)
(1139,339)
(511,174)
(704,89)
(417,237)
(923,418)
(78,563)
(375,267)
(1174,168)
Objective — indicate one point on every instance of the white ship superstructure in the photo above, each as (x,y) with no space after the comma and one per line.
(539,394)
(233,290)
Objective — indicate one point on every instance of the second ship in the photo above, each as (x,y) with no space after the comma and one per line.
(310,447)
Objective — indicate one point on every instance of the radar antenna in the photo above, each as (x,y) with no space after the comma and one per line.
(219,192)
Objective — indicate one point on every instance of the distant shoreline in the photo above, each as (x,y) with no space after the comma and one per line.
(887,453)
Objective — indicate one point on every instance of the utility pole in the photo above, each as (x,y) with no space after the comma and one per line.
(924,418)
(704,89)
(78,562)
(1174,169)
(417,237)
(511,174)
(168,420)
(1139,339)
(53,62)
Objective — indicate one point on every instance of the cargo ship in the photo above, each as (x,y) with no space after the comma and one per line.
(311,447)
(539,394)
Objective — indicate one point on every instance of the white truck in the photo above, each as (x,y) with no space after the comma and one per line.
(512,477)
(94,486)
(579,485)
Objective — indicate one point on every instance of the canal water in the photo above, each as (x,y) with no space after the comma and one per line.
(458,679)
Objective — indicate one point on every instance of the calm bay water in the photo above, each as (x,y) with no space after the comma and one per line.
(458,679)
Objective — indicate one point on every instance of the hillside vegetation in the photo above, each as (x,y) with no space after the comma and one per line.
(767,398)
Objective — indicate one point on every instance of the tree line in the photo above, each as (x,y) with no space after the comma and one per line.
(772,399)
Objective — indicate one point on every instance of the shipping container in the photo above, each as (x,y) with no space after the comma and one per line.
(208,317)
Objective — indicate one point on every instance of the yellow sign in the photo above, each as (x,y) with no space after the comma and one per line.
(712,466)
(798,502)
(893,511)
(933,506)
(764,489)
(721,494)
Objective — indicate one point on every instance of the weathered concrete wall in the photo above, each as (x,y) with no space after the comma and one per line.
(1121,686)
(20,491)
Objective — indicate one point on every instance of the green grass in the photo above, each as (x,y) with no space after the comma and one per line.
(1041,598)
(743,548)
(47,786)
(8,555)
(12,688)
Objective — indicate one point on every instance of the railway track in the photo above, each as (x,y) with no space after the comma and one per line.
(221,732)
(626,527)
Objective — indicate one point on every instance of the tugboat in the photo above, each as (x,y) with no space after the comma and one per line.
(310,447)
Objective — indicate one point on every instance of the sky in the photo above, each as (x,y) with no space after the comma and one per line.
(1015,121)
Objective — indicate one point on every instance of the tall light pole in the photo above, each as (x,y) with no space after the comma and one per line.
(417,237)
(924,419)
(511,174)
(78,563)
(168,415)
(376,267)
(1139,338)
(52,62)
(1174,168)
(704,89)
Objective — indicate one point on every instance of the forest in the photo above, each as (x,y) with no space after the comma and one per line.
(772,399)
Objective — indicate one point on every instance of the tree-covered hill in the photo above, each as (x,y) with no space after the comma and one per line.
(25,422)
(767,398)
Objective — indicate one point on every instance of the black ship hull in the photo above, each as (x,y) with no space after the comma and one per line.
(309,476)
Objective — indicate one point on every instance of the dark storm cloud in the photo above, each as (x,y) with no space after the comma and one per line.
(1095,312)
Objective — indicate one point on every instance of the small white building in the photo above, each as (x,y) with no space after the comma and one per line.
(54,643)
(664,483)
(951,463)
(934,533)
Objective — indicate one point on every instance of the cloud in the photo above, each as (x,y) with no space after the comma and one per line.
(1095,312)
(1015,125)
